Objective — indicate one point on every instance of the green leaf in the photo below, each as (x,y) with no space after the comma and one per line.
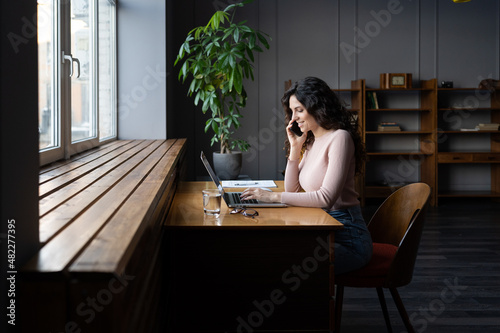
(232,61)
(209,48)
(244,28)
(228,8)
(231,80)
(208,124)
(250,54)
(215,127)
(206,103)
(227,34)
(246,67)
(192,86)
(186,47)
(222,57)
(263,40)
(251,41)
(238,79)
(197,97)
(183,70)
(236,35)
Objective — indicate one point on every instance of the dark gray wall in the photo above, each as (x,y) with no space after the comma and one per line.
(19,142)
(338,41)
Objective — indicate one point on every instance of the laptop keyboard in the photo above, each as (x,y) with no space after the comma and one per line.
(237,199)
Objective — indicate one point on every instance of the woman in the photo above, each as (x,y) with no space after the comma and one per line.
(323,163)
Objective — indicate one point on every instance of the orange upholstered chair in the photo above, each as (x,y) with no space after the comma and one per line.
(396,229)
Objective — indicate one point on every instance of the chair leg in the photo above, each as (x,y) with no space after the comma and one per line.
(402,310)
(383,305)
(339,298)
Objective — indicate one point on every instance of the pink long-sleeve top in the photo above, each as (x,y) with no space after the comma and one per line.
(325,173)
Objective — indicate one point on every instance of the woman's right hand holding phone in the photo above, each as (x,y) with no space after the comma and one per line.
(295,140)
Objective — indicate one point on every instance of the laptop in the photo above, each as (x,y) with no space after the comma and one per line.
(232,199)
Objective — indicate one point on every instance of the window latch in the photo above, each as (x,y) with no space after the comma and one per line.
(70,58)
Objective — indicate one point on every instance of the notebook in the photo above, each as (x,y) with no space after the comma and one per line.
(232,199)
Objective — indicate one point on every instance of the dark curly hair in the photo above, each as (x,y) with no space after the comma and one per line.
(323,104)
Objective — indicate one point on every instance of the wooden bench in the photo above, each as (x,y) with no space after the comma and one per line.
(100,265)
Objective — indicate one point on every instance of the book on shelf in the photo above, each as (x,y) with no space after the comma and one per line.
(482,127)
(375,100)
(371,100)
(389,127)
(488,127)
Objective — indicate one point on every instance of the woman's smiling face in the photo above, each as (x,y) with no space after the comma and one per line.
(305,121)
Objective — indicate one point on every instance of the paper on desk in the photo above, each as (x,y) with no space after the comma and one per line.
(248,183)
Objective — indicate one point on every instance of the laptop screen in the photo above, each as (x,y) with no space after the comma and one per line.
(212,174)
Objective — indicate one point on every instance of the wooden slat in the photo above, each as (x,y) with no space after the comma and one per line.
(74,238)
(58,168)
(53,222)
(117,240)
(81,168)
(57,198)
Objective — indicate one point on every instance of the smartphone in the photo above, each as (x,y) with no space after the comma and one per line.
(295,129)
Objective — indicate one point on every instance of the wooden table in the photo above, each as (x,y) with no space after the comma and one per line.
(241,274)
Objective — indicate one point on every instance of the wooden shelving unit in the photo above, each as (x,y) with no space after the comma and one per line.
(415,143)
(465,108)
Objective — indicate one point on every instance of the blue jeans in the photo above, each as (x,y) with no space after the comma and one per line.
(353,243)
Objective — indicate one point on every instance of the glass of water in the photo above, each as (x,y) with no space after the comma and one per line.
(211,202)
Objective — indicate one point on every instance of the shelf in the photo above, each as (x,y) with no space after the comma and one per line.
(399,90)
(469,132)
(460,89)
(468,109)
(398,110)
(459,164)
(468,157)
(398,132)
(347,90)
(395,154)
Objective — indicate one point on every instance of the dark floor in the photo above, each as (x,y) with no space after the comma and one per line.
(456,283)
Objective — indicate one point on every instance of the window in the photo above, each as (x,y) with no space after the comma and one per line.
(77,76)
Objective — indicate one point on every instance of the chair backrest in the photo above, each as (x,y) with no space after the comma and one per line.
(399,221)
(391,220)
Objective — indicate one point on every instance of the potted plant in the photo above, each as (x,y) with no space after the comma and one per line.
(217,58)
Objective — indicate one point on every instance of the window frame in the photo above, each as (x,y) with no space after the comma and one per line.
(64,147)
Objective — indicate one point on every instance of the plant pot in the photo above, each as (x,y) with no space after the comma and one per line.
(227,166)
